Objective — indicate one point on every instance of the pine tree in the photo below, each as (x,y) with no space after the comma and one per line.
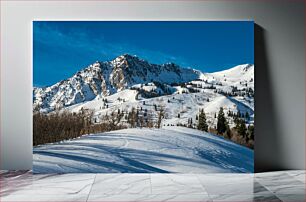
(221,124)
(247,115)
(202,124)
(229,113)
(241,127)
(238,114)
(251,132)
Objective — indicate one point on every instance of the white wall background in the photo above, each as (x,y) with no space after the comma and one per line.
(280,75)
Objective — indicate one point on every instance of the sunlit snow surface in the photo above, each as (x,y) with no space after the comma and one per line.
(143,150)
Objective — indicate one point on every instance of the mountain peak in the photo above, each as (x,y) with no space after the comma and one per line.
(127,59)
(127,56)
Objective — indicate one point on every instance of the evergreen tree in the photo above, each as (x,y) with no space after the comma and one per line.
(221,124)
(251,132)
(247,115)
(229,113)
(241,127)
(202,124)
(238,114)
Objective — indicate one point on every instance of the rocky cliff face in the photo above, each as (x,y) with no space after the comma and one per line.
(106,78)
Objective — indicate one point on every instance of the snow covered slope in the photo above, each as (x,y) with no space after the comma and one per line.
(171,149)
(239,76)
(184,105)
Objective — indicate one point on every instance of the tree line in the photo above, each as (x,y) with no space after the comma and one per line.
(58,126)
(240,133)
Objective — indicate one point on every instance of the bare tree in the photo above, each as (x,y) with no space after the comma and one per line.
(114,119)
(160,116)
(149,120)
(132,118)
(64,125)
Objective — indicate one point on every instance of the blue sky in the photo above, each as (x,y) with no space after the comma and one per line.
(61,48)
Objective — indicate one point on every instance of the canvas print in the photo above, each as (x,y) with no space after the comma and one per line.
(143,96)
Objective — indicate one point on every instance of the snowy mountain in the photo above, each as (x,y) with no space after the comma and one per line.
(239,76)
(107,78)
(128,82)
(166,150)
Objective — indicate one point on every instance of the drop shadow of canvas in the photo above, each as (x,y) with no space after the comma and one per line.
(267,152)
